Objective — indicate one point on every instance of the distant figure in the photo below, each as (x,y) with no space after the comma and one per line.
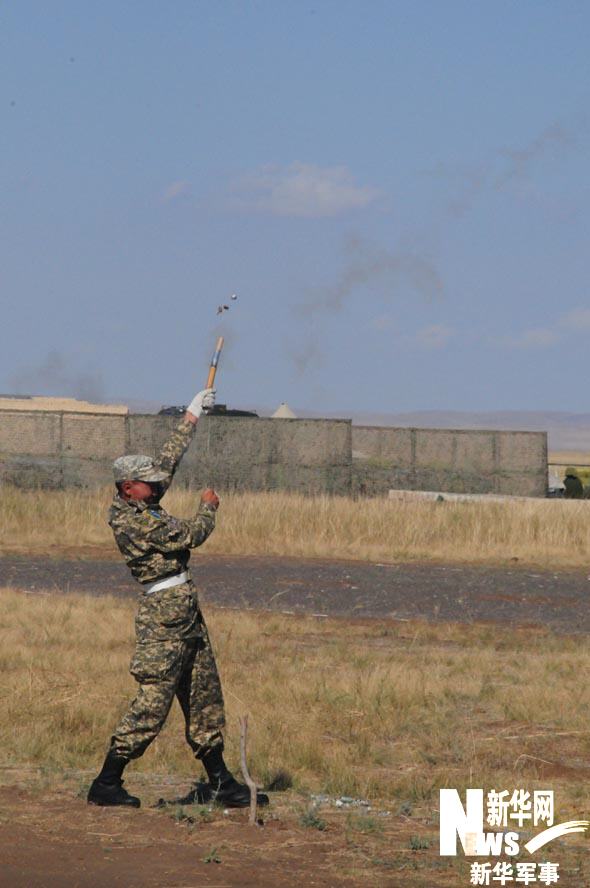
(574,488)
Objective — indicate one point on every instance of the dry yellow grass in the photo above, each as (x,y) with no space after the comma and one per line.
(382,710)
(387,711)
(569,458)
(548,533)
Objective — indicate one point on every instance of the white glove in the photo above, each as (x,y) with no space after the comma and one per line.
(205,400)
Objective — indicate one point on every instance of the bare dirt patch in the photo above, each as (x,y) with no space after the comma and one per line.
(52,839)
(55,841)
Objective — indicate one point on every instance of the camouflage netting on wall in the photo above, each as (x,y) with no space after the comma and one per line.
(63,450)
(60,450)
(454,461)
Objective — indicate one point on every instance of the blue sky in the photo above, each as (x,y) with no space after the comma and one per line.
(398,192)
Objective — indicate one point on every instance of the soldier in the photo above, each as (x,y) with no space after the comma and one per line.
(574,489)
(173,656)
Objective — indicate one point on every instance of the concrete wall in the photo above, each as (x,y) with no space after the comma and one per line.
(235,453)
(460,461)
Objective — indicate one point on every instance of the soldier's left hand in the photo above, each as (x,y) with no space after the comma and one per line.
(204,400)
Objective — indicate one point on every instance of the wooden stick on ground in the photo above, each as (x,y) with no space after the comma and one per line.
(250,783)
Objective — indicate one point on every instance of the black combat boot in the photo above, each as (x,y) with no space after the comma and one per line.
(225,788)
(107,788)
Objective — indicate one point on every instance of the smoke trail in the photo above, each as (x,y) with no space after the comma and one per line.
(367,263)
(402,269)
(307,355)
(54,376)
(504,167)
(521,160)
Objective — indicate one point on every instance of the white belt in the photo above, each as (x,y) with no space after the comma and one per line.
(176,580)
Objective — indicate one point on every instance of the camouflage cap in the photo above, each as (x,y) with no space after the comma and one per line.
(137,467)
(573,473)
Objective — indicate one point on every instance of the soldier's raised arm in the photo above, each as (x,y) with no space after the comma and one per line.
(178,442)
(161,532)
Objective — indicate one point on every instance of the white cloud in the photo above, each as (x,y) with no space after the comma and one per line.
(578,319)
(538,337)
(575,321)
(535,337)
(434,336)
(303,189)
(175,190)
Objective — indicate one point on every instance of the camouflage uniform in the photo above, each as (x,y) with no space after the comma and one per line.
(173,655)
(573,487)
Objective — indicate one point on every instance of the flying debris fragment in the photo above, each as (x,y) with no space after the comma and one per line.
(222,308)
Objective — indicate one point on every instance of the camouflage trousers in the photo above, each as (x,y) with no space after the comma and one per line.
(172,658)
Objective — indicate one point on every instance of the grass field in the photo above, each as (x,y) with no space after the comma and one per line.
(387,710)
(381,710)
(548,533)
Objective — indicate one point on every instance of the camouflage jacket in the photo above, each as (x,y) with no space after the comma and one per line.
(574,489)
(153,543)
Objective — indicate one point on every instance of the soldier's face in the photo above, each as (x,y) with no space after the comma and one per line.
(140,490)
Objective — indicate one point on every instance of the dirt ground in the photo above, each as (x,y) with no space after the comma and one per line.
(51,838)
(52,842)
(341,588)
